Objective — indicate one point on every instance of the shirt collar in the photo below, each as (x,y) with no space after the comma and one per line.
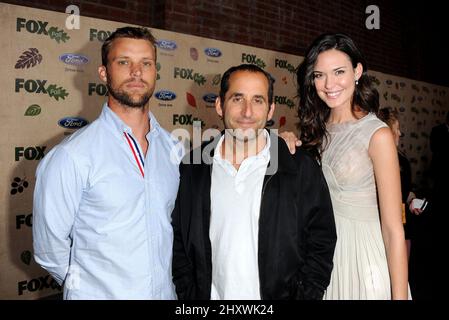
(264,153)
(118,126)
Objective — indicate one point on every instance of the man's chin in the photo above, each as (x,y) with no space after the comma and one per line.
(139,103)
(128,101)
(245,134)
(131,98)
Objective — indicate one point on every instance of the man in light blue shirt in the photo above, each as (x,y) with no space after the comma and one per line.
(104,196)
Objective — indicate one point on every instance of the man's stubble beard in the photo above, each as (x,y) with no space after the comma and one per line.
(125,99)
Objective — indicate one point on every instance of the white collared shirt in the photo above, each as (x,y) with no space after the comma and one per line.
(102,212)
(234,224)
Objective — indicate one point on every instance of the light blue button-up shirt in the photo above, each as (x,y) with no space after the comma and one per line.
(99,225)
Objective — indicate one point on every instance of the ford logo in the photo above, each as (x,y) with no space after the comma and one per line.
(73,59)
(166,44)
(212,52)
(165,95)
(72,122)
(210,97)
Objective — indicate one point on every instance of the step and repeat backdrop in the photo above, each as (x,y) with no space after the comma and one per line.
(50,88)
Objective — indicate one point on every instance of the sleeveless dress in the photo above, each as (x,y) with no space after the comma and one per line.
(360,264)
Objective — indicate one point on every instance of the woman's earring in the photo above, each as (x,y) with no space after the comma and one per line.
(356,82)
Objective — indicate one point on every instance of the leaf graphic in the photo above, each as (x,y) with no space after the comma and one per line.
(216,79)
(158,68)
(58,35)
(395,97)
(56,92)
(260,63)
(51,89)
(191,100)
(33,110)
(29,58)
(199,79)
(26,257)
(282,121)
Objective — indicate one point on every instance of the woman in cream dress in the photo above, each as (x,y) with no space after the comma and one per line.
(338,123)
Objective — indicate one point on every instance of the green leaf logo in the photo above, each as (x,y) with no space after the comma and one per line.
(216,80)
(260,63)
(158,68)
(199,79)
(58,35)
(56,93)
(33,110)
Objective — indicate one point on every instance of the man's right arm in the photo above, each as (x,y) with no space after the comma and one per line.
(57,195)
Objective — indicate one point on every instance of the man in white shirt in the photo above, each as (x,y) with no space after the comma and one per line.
(251,221)
(104,195)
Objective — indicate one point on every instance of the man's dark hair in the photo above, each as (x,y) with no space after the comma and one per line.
(125,32)
(224,85)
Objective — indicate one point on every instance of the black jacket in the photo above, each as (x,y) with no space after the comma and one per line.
(439,144)
(296,228)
